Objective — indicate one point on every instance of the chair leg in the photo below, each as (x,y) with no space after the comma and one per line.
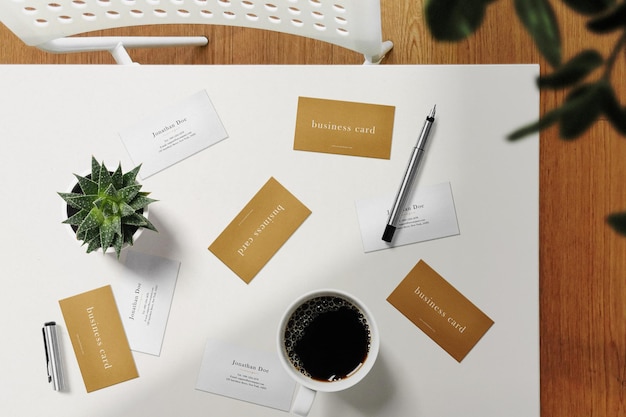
(120,55)
(376,59)
(117,45)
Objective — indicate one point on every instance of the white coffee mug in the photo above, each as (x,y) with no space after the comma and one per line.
(308,384)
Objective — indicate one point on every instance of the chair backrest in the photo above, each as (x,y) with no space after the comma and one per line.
(352,24)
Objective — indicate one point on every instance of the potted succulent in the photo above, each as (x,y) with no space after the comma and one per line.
(106,208)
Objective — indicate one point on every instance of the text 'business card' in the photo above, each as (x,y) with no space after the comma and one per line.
(344,127)
(442,312)
(98,338)
(259,230)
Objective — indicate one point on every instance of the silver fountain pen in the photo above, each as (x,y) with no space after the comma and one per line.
(409,176)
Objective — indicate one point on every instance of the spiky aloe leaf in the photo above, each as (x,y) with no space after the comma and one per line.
(77,218)
(131,176)
(78,201)
(87,185)
(88,235)
(95,169)
(118,177)
(125,211)
(136,219)
(93,244)
(118,244)
(104,179)
(93,220)
(108,229)
(128,193)
(150,226)
(140,220)
(140,202)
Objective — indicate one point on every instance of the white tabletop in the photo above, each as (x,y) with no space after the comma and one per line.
(54,118)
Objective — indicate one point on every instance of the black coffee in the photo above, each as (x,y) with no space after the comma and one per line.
(327,338)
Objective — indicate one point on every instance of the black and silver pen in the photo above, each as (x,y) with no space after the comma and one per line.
(409,176)
(53,356)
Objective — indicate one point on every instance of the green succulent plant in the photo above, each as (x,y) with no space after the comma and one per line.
(106,208)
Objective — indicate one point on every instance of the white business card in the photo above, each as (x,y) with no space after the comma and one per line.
(173,134)
(144,296)
(428,214)
(245,374)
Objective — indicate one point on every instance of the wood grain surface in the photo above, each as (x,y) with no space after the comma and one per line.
(582,262)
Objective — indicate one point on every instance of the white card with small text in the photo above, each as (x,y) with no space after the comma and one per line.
(144,296)
(245,374)
(173,134)
(428,214)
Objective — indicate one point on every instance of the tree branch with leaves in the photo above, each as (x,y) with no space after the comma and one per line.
(587,99)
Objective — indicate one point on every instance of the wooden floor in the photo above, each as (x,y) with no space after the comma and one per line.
(582,262)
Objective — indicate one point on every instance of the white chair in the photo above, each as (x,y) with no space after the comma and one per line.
(49,24)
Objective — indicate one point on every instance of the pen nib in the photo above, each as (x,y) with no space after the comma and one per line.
(432,112)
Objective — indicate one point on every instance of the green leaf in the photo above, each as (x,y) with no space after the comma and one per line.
(140,202)
(547,120)
(77,218)
(616,19)
(110,191)
(107,233)
(128,234)
(126,210)
(104,178)
(78,201)
(140,221)
(89,235)
(589,6)
(128,193)
(131,176)
(118,178)
(93,220)
(93,244)
(149,225)
(116,223)
(95,169)
(118,244)
(613,111)
(87,185)
(136,219)
(540,22)
(617,221)
(572,71)
(581,108)
(454,20)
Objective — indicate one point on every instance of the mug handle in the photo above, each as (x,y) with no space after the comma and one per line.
(303,401)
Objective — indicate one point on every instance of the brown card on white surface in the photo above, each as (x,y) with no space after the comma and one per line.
(344,127)
(440,311)
(98,338)
(259,230)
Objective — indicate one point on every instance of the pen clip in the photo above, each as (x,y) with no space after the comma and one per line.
(45,346)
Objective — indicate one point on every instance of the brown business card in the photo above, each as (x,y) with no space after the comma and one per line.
(344,127)
(259,230)
(98,338)
(442,312)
